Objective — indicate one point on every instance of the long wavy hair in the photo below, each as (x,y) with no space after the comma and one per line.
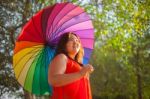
(61,47)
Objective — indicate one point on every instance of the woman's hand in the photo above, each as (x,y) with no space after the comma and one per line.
(86,69)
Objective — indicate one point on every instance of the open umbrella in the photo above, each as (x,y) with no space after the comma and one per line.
(35,46)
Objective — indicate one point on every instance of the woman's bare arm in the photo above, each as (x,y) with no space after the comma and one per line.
(56,76)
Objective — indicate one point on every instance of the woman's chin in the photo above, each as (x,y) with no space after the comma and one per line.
(76,51)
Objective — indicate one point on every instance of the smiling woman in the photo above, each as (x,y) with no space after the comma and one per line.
(70,44)
(67,75)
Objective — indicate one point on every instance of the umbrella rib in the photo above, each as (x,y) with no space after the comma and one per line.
(44,11)
(25,55)
(67,21)
(37,29)
(82,38)
(68,27)
(29,51)
(40,72)
(47,34)
(32,56)
(86,38)
(83,29)
(48,60)
(28,47)
(88,48)
(30,68)
(45,64)
(90,53)
(48,52)
(35,69)
(86,58)
(55,18)
(42,24)
(75,31)
(75,24)
(49,28)
(43,55)
(63,17)
(28,75)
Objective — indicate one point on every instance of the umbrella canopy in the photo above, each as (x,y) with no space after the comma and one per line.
(35,46)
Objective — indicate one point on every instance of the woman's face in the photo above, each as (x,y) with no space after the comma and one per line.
(73,45)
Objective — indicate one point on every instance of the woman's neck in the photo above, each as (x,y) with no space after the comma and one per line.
(72,56)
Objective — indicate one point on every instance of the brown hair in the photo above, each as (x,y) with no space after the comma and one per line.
(61,47)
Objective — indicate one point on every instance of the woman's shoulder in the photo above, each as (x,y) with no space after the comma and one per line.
(61,56)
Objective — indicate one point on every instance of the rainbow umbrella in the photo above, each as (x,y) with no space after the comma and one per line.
(35,46)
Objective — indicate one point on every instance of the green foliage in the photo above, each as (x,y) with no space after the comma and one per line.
(121,49)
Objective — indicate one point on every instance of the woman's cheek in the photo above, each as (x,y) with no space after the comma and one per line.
(69,49)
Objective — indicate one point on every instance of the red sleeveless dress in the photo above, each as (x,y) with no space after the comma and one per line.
(79,89)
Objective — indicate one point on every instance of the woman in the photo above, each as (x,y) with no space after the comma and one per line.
(67,76)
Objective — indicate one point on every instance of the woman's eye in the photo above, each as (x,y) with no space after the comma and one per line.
(74,39)
(77,41)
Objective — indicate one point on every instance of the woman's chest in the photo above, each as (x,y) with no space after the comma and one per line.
(72,66)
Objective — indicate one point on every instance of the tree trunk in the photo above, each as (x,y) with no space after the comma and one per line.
(139,85)
(27,95)
(138,72)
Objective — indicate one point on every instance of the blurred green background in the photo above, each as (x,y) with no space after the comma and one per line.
(121,56)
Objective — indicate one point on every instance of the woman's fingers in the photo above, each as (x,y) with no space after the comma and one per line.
(90,68)
(86,69)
